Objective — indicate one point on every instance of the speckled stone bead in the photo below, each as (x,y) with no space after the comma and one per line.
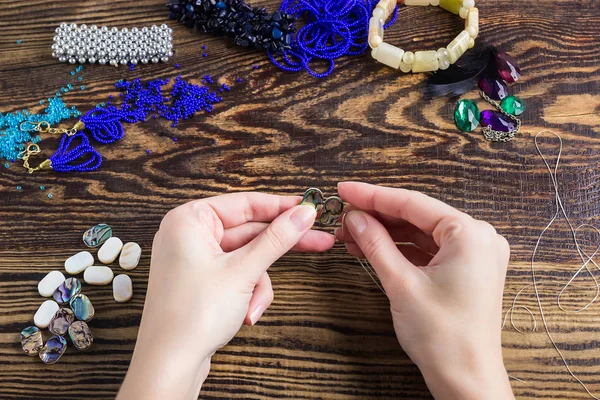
(31,340)
(81,335)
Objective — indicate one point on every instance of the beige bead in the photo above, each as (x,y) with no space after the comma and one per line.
(389,55)
(79,262)
(378,13)
(98,275)
(409,57)
(458,46)
(110,250)
(425,61)
(130,256)
(375,31)
(406,68)
(375,41)
(468,4)
(463,12)
(472,22)
(416,2)
(471,43)
(434,3)
(122,288)
(391,6)
(444,64)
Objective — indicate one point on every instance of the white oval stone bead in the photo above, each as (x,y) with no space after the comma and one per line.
(79,262)
(122,288)
(425,61)
(406,68)
(130,256)
(45,313)
(389,55)
(50,282)
(110,250)
(458,46)
(98,275)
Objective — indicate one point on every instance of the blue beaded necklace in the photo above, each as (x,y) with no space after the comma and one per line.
(340,28)
(105,125)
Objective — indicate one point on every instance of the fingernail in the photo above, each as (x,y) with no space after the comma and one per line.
(256,314)
(356,222)
(304,217)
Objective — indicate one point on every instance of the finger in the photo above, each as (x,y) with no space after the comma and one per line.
(240,235)
(238,208)
(413,254)
(278,238)
(420,210)
(262,297)
(379,248)
(407,234)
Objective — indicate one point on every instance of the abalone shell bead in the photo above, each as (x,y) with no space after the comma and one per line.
(389,55)
(425,61)
(81,335)
(53,349)
(97,235)
(31,340)
(59,325)
(67,290)
(458,46)
(82,307)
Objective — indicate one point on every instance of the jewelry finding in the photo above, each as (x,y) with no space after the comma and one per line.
(329,210)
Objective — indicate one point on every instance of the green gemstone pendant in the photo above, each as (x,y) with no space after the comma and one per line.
(466,115)
(513,105)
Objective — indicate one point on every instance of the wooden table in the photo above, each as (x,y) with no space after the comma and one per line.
(328,335)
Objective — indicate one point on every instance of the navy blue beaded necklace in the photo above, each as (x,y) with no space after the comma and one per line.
(105,125)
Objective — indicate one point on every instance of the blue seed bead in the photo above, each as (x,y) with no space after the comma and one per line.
(79,78)
(203,47)
(73,72)
(50,195)
(221,5)
(148,151)
(19,41)
(204,55)
(82,87)
(19,187)
(42,188)
(6,165)
(41,101)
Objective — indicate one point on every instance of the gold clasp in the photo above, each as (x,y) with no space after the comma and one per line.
(31,150)
(44,127)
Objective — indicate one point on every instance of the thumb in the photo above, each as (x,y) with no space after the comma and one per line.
(279,237)
(379,248)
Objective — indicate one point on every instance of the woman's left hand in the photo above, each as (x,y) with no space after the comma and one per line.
(208,275)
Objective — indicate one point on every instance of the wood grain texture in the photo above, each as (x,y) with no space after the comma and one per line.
(328,335)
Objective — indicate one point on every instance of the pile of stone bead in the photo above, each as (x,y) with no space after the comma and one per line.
(501,125)
(70,310)
(81,44)
(249,26)
(423,61)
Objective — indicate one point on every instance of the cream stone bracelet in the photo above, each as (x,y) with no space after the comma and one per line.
(423,61)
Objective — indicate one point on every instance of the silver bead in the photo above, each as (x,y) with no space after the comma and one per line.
(154,60)
(124,30)
(169,53)
(83,27)
(102,61)
(91,60)
(134,61)
(144,61)
(144,29)
(170,31)
(114,63)
(70,52)
(94,28)
(54,46)
(153,28)
(54,55)
(73,26)
(112,54)
(72,61)
(164,59)
(63,25)
(104,29)
(62,59)
(81,60)
(164,27)
(114,29)
(123,62)
(101,53)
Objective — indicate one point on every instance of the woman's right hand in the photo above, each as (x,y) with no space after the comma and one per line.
(445,289)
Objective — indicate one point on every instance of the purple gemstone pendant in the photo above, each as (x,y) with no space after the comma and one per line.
(508,68)
(497,121)
(493,87)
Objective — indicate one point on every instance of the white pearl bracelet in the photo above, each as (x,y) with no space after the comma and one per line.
(423,61)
